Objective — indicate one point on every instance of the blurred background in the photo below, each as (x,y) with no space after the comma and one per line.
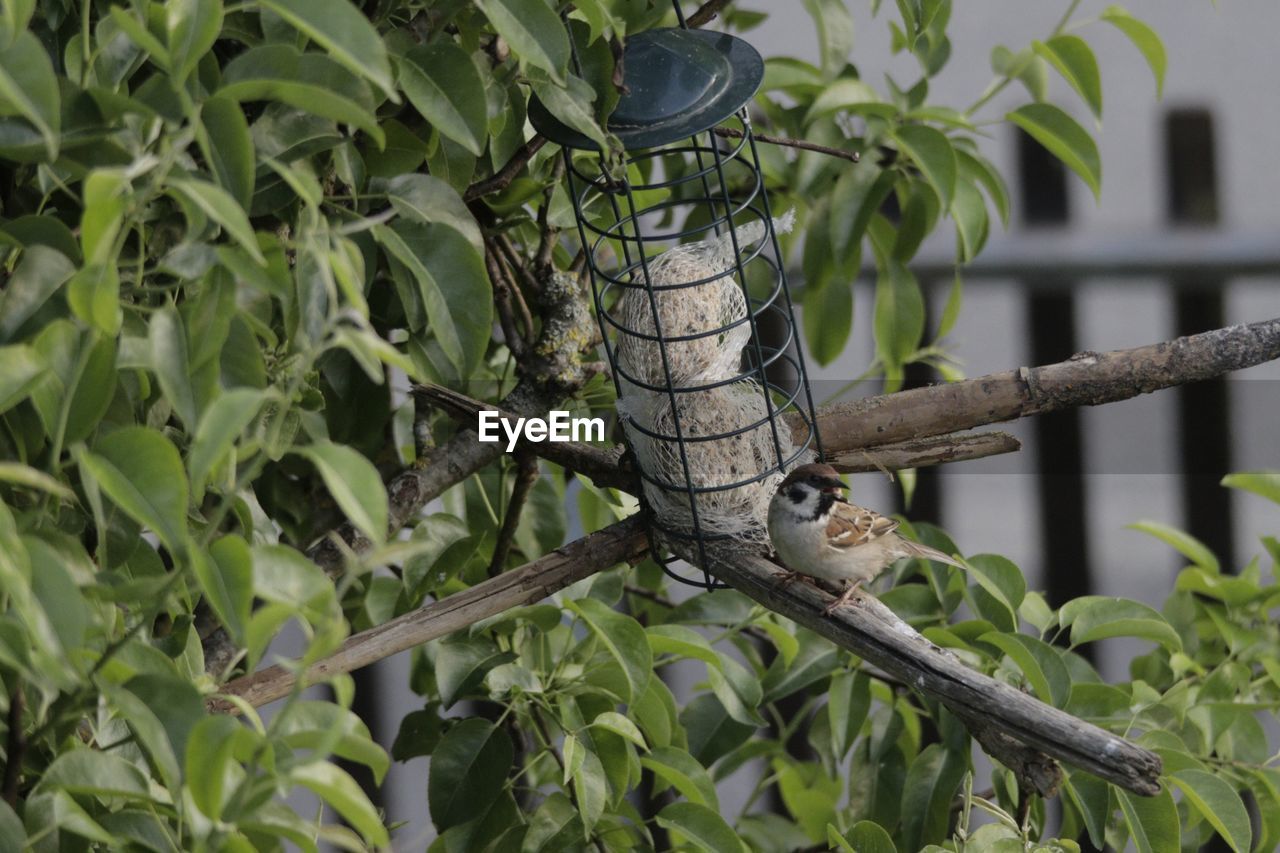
(1186,238)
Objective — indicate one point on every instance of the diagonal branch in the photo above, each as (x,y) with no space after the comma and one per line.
(873,632)
(622,542)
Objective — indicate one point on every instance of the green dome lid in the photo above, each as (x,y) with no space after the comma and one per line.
(680,82)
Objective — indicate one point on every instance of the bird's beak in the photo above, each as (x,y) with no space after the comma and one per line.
(834,486)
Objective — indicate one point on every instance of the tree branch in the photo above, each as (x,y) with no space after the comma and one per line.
(622,542)
(502,178)
(706,13)
(873,632)
(1086,379)
(787,142)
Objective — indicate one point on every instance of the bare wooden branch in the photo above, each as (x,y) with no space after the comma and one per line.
(873,632)
(787,142)
(504,302)
(924,452)
(706,13)
(1086,379)
(622,542)
(502,179)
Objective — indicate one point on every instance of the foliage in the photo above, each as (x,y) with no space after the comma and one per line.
(227,226)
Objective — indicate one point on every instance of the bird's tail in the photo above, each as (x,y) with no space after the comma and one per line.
(915,549)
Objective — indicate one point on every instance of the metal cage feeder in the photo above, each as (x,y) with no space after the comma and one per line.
(687,274)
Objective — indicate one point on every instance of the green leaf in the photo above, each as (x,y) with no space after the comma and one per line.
(1153,821)
(1265,483)
(899,314)
(225,576)
(28,88)
(977,168)
(219,427)
(170,361)
(848,701)
(1074,60)
(1186,544)
(21,367)
(534,32)
(1096,617)
(932,780)
(141,471)
(571,103)
(444,85)
(684,642)
(427,199)
(148,729)
(461,662)
(345,32)
(468,771)
(614,722)
(38,275)
(31,478)
(844,94)
(13,835)
(828,319)
(220,206)
(1039,662)
(336,788)
(1219,804)
(931,151)
(701,827)
(94,296)
(194,26)
(835,32)
(969,212)
(680,770)
(355,485)
(90,771)
(228,147)
(14,16)
(1145,39)
(555,826)
(104,205)
(1064,138)
(311,82)
(869,837)
(623,637)
(1000,577)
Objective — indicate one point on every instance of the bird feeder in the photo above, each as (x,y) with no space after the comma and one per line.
(690,290)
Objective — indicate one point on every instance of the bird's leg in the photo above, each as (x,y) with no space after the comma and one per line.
(845,598)
(786,577)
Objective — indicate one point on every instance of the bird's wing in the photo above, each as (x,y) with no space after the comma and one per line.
(851,525)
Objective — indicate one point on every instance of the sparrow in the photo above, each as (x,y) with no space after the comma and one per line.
(818,533)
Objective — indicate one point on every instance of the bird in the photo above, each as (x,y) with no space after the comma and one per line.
(817,533)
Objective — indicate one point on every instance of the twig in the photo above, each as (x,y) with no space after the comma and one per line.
(873,632)
(924,452)
(502,178)
(513,288)
(502,300)
(706,13)
(16,747)
(516,262)
(622,542)
(546,232)
(803,145)
(526,477)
